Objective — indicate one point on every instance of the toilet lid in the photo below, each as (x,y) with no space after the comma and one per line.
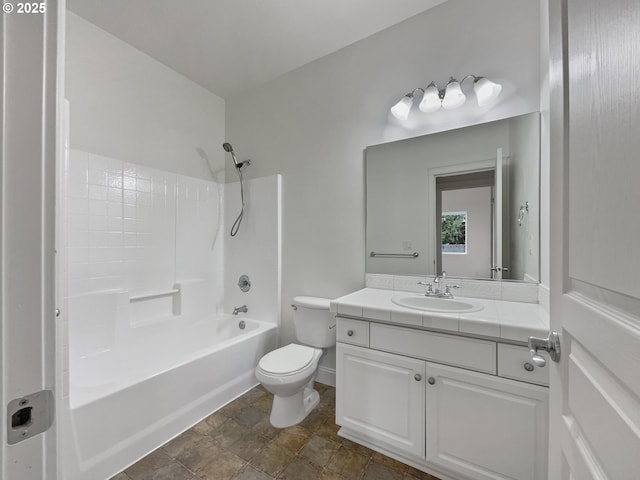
(287,360)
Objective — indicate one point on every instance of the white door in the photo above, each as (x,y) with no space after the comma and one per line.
(380,397)
(485,427)
(30,79)
(595,239)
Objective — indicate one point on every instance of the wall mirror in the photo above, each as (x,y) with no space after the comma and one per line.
(464,200)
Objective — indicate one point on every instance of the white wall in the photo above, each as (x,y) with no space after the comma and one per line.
(524,166)
(126,105)
(545,146)
(312,124)
(256,249)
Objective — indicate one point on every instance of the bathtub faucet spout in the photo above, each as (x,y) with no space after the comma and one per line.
(242,309)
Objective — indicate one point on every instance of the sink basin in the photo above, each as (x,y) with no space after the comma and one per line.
(436,304)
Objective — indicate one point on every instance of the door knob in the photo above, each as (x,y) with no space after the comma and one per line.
(551,345)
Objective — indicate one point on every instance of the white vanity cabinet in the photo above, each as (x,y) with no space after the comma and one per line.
(381,396)
(485,427)
(417,403)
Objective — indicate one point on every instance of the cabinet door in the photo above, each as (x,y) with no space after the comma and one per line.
(380,398)
(485,427)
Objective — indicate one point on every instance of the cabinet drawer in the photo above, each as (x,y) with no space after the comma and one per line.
(355,332)
(511,364)
(469,353)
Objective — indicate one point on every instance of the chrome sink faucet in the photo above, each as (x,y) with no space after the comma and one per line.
(437,280)
(242,309)
(435,289)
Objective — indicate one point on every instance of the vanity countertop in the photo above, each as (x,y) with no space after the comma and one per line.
(512,321)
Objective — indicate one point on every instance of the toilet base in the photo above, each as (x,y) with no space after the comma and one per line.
(288,411)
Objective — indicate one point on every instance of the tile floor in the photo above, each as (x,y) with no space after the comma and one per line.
(238,443)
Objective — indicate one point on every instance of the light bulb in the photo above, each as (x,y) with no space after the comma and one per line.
(453,96)
(430,100)
(486,90)
(401,109)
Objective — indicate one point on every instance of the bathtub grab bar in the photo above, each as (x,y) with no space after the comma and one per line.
(154,294)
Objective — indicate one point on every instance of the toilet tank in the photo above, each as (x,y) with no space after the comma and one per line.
(314,324)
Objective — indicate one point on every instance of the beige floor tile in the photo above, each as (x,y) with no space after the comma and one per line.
(250,473)
(199,454)
(313,420)
(219,447)
(419,474)
(356,447)
(228,433)
(348,463)
(329,475)
(292,438)
(142,469)
(250,416)
(176,446)
(319,450)
(300,469)
(173,471)
(254,395)
(248,446)
(389,462)
(264,403)
(264,428)
(210,424)
(329,430)
(272,459)
(223,466)
(232,408)
(380,471)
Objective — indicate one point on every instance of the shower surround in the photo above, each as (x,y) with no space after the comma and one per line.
(150,350)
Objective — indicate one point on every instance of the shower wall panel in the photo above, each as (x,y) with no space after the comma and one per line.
(133,231)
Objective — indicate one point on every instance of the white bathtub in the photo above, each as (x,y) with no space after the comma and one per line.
(127,401)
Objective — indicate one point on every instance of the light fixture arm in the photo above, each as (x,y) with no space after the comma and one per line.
(469,76)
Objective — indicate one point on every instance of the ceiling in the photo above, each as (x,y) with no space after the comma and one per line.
(228,46)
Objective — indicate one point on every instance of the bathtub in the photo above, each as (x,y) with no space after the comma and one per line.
(126,401)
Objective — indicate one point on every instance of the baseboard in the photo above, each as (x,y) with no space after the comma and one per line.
(326,376)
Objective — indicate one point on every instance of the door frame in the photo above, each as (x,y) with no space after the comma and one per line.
(432,213)
(32,83)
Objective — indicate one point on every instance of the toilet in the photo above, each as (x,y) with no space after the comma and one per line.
(289,371)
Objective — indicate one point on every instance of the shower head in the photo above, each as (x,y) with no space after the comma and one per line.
(229,149)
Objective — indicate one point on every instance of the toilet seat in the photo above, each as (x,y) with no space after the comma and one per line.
(288,360)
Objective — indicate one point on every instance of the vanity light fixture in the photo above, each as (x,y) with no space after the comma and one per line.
(448,98)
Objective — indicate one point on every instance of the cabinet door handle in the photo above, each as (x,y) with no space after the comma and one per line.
(350,333)
(418,377)
(431,380)
(528,367)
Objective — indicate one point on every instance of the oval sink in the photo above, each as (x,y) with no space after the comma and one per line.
(436,304)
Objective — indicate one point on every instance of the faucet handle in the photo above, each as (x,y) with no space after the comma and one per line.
(429,286)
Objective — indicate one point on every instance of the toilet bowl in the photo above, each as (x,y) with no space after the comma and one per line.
(289,372)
